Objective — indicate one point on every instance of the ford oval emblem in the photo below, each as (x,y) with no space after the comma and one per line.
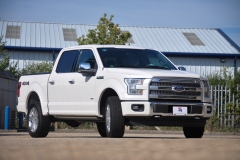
(178,88)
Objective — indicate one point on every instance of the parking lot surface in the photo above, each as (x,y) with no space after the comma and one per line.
(135,146)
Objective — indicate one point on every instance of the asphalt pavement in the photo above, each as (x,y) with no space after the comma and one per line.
(142,145)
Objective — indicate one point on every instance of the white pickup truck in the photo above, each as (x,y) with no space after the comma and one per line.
(114,86)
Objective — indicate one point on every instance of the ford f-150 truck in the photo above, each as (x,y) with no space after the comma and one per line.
(114,86)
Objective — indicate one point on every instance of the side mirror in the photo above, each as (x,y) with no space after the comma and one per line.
(181,68)
(85,68)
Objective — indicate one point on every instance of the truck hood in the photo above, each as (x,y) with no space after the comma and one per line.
(149,73)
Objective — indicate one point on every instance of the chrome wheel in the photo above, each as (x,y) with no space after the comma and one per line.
(108,119)
(33,119)
(114,120)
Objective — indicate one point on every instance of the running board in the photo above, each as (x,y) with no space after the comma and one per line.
(84,119)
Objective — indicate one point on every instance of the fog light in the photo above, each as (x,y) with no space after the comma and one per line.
(135,108)
(138,107)
(209,109)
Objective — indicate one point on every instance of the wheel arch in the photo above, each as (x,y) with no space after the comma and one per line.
(32,96)
(103,98)
(35,91)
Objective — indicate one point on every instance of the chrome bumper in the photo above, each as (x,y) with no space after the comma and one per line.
(149,111)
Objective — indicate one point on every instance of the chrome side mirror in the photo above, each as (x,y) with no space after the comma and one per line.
(181,68)
(85,68)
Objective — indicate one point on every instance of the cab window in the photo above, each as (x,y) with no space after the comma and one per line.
(87,56)
(68,61)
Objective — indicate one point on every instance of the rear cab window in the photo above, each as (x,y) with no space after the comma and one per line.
(68,61)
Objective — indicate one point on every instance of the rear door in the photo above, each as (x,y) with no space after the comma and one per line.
(59,82)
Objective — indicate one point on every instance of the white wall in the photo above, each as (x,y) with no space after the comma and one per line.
(204,66)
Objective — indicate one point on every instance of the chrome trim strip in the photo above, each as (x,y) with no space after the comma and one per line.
(174,79)
(180,103)
(169,88)
(171,96)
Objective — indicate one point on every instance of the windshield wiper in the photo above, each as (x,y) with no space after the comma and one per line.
(155,67)
(127,66)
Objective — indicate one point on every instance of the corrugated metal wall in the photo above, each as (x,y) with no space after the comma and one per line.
(204,66)
(50,35)
(173,40)
(23,57)
(8,97)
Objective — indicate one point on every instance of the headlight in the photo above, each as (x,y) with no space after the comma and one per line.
(206,88)
(132,83)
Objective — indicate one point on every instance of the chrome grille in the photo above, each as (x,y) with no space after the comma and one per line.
(175,88)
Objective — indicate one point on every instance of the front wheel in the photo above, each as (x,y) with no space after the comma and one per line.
(38,125)
(114,120)
(101,129)
(193,132)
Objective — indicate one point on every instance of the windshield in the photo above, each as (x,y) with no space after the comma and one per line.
(133,58)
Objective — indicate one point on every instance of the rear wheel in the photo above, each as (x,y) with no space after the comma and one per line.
(193,132)
(38,125)
(114,120)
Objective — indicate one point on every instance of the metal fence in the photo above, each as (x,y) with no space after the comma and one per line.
(226,107)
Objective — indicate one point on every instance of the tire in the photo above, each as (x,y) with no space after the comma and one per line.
(193,132)
(38,125)
(101,129)
(114,120)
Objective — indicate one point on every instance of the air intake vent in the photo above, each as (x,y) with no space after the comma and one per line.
(13,119)
(69,34)
(13,32)
(193,39)
(181,89)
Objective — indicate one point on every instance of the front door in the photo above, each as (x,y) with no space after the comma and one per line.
(82,90)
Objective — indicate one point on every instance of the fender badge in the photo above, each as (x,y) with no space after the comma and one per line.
(100,77)
(25,83)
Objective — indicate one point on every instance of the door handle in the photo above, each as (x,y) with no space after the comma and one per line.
(72,81)
(51,82)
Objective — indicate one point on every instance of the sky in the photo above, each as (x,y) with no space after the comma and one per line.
(223,14)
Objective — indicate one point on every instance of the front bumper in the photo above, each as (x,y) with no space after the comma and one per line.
(151,111)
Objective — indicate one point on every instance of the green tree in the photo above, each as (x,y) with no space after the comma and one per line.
(106,33)
(5,64)
(4,58)
(33,67)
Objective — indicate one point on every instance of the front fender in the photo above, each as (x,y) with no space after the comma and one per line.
(118,87)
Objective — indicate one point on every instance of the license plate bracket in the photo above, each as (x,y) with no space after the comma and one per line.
(180,110)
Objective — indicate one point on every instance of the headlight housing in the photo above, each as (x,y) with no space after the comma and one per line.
(131,85)
(206,88)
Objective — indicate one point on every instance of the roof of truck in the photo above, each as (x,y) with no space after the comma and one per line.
(104,46)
